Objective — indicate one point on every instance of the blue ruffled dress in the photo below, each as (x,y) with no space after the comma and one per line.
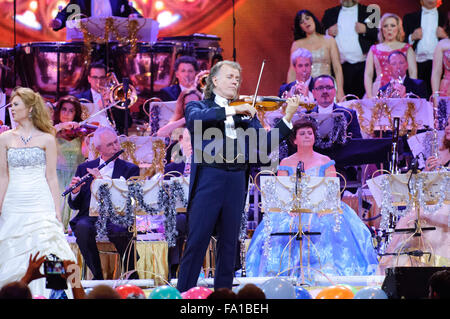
(346,251)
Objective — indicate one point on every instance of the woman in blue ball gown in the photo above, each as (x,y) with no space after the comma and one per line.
(344,246)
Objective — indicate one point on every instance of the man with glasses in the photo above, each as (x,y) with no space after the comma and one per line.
(98,94)
(324,91)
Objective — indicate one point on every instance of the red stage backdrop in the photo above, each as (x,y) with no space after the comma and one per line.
(263,27)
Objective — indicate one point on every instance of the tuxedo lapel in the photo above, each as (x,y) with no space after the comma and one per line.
(117,172)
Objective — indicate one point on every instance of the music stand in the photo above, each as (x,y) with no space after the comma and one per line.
(300,196)
(119,190)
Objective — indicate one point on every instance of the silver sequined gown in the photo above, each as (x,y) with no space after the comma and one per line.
(28,221)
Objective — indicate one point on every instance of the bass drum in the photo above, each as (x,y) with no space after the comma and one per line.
(150,69)
(53,67)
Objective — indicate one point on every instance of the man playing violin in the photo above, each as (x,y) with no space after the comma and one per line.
(219,175)
(83,226)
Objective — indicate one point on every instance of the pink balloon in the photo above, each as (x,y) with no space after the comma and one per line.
(197,293)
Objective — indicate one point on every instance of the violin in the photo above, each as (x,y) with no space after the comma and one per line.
(262,103)
(80,131)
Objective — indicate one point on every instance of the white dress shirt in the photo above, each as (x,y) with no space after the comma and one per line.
(429,24)
(326,110)
(347,38)
(101,118)
(230,130)
(106,172)
(101,8)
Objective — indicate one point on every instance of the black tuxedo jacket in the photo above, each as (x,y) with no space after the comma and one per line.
(330,18)
(412,21)
(170,93)
(417,87)
(117,114)
(351,117)
(120,8)
(83,200)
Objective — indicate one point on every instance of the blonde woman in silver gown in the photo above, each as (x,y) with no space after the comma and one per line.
(30,217)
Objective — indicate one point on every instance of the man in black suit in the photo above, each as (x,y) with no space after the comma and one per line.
(106,141)
(350,24)
(186,68)
(302,61)
(324,92)
(100,99)
(398,64)
(423,30)
(220,170)
(94,8)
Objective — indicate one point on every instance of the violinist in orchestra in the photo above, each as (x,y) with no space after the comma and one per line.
(220,170)
(100,96)
(94,8)
(71,148)
(301,59)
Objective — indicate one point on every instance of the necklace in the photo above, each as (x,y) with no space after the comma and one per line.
(25,140)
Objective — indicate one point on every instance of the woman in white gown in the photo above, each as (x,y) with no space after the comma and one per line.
(30,217)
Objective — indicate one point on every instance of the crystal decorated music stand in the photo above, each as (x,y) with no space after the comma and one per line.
(283,194)
(421,192)
(122,200)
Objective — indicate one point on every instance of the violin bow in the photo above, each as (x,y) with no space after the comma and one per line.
(257,85)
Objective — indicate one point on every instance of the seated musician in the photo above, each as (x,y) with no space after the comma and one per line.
(83,225)
(99,95)
(352,236)
(185,68)
(94,8)
(401,84)
(324,91)
(70,145)
(301,59)
(177,120)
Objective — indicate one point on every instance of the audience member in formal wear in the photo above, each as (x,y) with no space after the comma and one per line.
(401,84)
(441,64)
(94,8)
(324,92)
(423,30)
(83,225)
(99,95)
(70,146)
(186,67)
(390,38)
(301,60)
(354,33)
(308,34)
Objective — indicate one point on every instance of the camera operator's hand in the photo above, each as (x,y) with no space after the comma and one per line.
(33,269)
